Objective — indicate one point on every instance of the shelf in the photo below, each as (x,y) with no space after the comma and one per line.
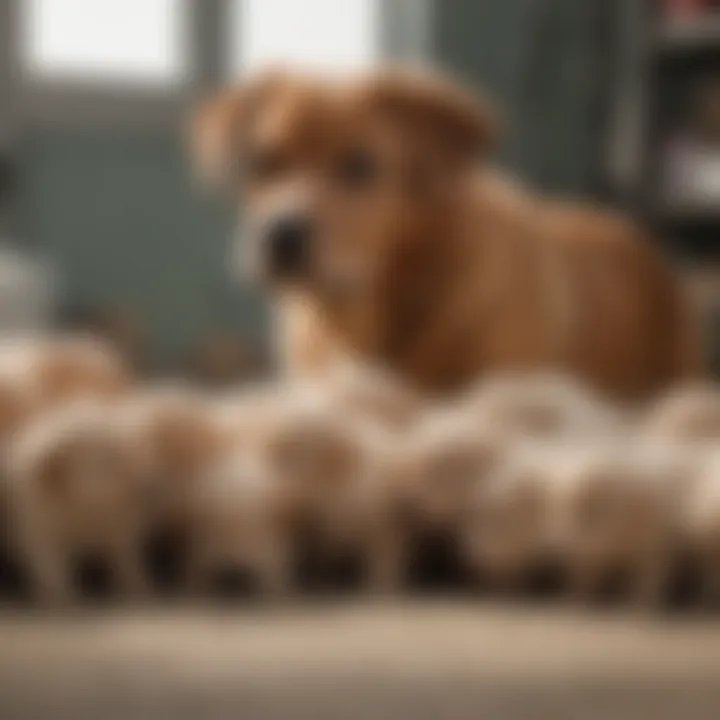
(692,35)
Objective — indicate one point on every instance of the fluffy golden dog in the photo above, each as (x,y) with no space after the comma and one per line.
(374,213)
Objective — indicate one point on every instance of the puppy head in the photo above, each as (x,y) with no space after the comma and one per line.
(79,461)
(319,459)
(181,437)
(238,501)
(440,469)
(335,175)
(607,510)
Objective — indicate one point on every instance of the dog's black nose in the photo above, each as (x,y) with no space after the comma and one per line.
(288,244)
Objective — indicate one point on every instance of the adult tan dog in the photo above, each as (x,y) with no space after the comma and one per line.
(373,211)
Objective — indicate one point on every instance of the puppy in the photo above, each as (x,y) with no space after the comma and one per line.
(688,413)
(542,406)
(332,492)
(613,516)
(433,475)
(374,216)
(505,534)
(76,486)
(239,521)
(179,435)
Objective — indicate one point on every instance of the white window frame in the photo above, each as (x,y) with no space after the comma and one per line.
(66,102)
(405,36)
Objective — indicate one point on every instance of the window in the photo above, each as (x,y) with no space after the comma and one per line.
(135,41)
(327,35)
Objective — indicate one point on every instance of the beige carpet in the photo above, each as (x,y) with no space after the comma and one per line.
(359,659)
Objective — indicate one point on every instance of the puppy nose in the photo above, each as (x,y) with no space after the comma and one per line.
(288,242)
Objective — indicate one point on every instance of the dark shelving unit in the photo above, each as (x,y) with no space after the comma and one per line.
(663,58)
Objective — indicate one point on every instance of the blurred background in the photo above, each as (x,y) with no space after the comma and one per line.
(102,227)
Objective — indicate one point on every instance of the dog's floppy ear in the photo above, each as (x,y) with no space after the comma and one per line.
(460,124)
(218,130)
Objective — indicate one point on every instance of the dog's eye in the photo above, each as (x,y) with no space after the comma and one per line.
(358,169)
(264,165)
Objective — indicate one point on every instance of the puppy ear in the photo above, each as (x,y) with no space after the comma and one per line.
(439,111)
(218,130)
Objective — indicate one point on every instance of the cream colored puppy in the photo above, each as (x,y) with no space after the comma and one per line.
(505,535)
(542,405)
(688,413)
(331,489)
(433,475)
(615,512)
(239,521)
(75,486)
(179,435)
(597,508)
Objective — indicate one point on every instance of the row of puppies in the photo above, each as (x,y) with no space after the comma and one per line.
(519,471)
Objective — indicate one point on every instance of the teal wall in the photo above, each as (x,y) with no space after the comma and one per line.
(541,61)
(118,215)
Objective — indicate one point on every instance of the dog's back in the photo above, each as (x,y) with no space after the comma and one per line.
(593,290)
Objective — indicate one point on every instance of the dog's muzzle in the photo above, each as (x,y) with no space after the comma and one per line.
(286,246)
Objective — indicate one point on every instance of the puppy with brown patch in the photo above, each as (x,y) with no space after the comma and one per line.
(373,212)
(76,486)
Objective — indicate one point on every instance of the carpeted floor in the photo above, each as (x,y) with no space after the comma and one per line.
(360,659)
